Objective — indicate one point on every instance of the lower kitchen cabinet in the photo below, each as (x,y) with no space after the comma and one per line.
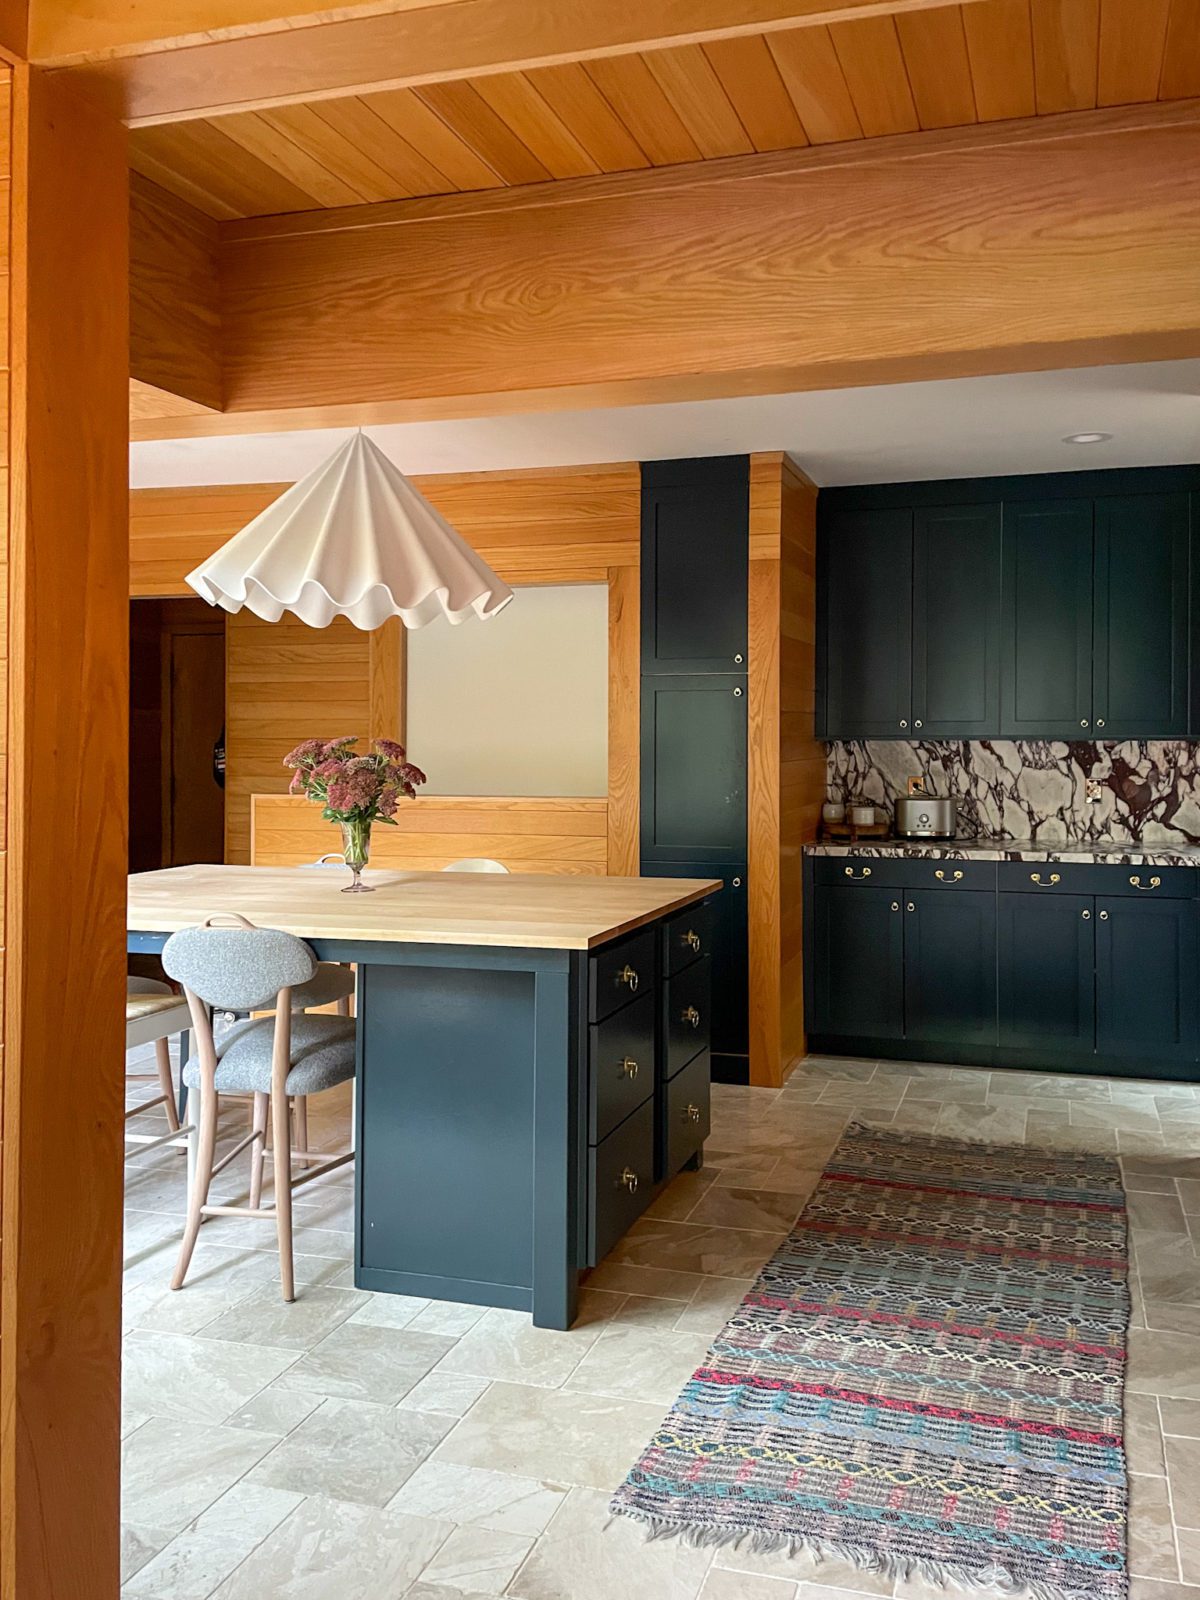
(858,945)
(1047,960)
(1146,956)
(950,965)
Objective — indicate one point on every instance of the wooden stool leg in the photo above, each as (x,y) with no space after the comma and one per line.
(283,1190)
(201,1179)
(300,1108)
(258,1148)
(162,1053)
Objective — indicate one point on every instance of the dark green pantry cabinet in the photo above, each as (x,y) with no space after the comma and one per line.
(866,583)
(956,621)
(950,965)
(1146,977)
(1047,976)
(858,947)
(1046,684)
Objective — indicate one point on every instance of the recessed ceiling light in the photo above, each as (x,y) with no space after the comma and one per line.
(1087,438)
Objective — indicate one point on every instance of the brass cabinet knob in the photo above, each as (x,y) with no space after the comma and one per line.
(1083,722)
(691,937)
(692,1016)
(910,906)
(693,1113)
(1086,915)
(918,723)
(904,722)
(737,694)
(1036,877)
(1104,916)
(1136,882)
(629,1067)
(895,905)
(629,976)
(1099,722)
(629,1179)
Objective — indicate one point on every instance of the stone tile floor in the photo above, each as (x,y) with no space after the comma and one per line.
(370,1447)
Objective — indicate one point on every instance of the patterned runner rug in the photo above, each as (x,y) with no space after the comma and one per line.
(926,1379)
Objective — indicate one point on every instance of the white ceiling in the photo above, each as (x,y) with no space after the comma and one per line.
(957,428)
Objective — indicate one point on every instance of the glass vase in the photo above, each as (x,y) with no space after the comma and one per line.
(356,850)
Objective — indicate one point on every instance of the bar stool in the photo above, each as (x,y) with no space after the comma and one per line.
(154,1013)
(244,968)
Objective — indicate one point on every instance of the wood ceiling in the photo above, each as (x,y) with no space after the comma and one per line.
(945,67)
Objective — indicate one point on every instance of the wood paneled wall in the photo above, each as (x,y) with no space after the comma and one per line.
(175,318)
(786,778)
(65,865)
(286,682)
(526,835)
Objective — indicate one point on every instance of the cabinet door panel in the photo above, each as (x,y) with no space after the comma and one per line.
(858,944)
(695,553)
(693,768)
(950,965)
(1047,960)
(1140,669)
(1046,676)
(956,622)
(866,623)
(1146,978)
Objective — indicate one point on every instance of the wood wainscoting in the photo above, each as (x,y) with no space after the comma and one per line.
(526,835)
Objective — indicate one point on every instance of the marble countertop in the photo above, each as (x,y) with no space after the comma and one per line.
(1127,854)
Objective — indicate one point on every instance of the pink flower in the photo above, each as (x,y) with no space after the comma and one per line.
(297,785)
(337,747)
(328,769)
(304,754)
(390,749)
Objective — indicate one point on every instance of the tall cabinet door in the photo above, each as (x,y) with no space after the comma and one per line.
(1140,668)
(693,768)
(1146,978)
(1046,673)
(956,622)
(866,625)
(950,965)
(1047,961)
(695,533)
(858,948)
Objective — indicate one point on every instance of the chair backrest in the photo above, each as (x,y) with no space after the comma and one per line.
(240,968)
(475,864)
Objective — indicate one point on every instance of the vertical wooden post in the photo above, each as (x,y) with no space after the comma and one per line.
(60,1253)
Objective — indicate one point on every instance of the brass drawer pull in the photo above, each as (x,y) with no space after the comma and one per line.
(692,1016)
(692,938)
(1136,881)
(1036,877)
(629,1068)
(630,1180)
(629,976)
(849,871)
(955,877)
(693,1113)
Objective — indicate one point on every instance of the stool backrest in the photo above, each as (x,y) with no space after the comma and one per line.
(475,864)
(240,968)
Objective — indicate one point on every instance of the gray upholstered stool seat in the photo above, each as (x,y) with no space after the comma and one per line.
(330,984)
(322,1056)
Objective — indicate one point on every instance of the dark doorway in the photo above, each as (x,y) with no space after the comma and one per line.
(176,728)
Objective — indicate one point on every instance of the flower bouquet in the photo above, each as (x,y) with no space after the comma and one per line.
(354,790)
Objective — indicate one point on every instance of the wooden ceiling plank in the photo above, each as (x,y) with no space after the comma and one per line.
(299,166)
(421,126)
(751,79)
(1132,39)
(203,154)
(569,91)
(935,56)
(516,101)
(488,135)
(383,145)
(1181,54)
(873,64)
(813,77)
(148,160)
(636,96)
(687,79)
(1066,51)
(315,129)
(1000,50)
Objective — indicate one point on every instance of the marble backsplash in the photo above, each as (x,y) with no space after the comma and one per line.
(1146,790)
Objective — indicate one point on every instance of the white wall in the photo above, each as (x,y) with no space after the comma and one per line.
(517,705)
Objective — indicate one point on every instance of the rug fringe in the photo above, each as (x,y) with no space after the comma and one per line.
(896,1568)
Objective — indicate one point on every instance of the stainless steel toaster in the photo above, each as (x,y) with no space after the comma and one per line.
(921,816)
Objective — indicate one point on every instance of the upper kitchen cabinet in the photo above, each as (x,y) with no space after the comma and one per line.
(1140,626)
(695,558)
(864,618)
(1046,687)
(956,621)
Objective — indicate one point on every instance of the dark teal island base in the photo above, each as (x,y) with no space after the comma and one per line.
(518,1109)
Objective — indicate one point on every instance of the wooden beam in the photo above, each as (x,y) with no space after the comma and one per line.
(1067,241)
(175,322)
(272,61)
(68,694)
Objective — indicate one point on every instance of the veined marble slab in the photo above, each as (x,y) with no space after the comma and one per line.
(1098,852)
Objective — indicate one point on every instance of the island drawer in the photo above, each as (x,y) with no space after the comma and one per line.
(620,1065)
(685,1123)
(1072,877)
(619,972)
(620,1180)
(688,937)
(688,1014)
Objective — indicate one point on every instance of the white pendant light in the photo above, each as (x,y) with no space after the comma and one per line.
(354,539)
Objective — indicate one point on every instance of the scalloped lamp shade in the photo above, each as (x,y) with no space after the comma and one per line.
(354,539)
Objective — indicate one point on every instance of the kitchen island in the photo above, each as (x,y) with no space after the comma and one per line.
(532,1067)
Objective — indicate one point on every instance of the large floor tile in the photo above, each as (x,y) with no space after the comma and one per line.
(477,1561)
(728,1252)
(503,1501)
(173,1470)
(1164,1364)
(584,1556)
(352,1450)
(162,1373)
(359,1362)
(195,1562)
(505,1345)
(637,1363)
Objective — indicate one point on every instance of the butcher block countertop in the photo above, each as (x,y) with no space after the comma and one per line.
(518,910)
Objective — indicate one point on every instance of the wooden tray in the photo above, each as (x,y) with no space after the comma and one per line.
(849,832)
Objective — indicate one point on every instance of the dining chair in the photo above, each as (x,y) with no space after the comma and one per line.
(475,864)
(154,1013)
(229,964)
